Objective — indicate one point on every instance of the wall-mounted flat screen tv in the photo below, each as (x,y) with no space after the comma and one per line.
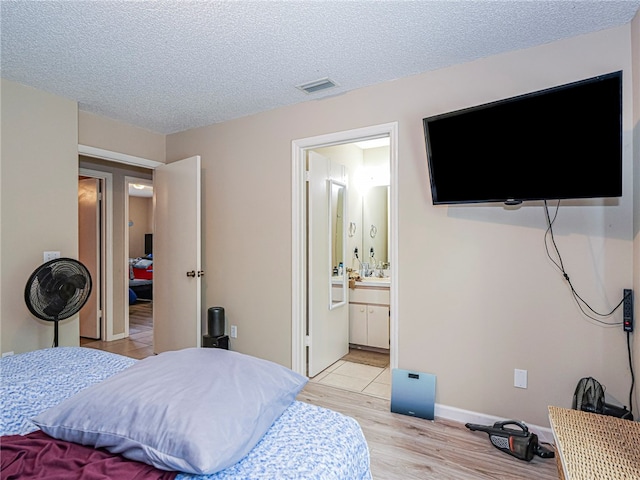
(148,243)
(560,143)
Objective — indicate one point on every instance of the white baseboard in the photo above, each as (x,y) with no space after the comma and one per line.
(545,434)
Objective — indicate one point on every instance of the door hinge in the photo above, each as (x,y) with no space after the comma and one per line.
(307,341)
(307,175)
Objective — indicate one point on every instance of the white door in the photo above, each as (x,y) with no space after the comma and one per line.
(177,270)
(328,328)
(89,253)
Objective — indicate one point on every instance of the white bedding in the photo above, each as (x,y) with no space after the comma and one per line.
(305,442)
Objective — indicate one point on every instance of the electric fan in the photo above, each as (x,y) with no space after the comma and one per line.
(56,290)
(589,396)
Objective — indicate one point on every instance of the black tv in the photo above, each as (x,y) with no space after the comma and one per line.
(148,243)
(560,143)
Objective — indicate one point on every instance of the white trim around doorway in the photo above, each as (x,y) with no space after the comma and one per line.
(299,149)
(117,157)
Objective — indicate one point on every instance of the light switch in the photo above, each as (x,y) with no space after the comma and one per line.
(520,378)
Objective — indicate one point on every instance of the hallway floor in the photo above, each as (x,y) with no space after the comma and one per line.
(139,344)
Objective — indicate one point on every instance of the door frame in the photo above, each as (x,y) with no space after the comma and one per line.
(106,254)
(123,158)
(299,150)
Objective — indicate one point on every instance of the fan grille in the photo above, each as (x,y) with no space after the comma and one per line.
(58,289)
(589,396)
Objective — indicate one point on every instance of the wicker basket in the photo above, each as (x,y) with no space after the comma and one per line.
(592,446)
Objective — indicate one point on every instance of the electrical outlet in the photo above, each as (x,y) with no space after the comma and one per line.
(520,378)
(234,331)
(627,310)
(47,256)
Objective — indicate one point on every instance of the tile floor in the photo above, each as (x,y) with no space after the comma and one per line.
(375,381)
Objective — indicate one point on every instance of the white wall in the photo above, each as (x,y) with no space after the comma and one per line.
(105,133)
(477,295)
(39,201)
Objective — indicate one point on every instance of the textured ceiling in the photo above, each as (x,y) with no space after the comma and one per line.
(169,65)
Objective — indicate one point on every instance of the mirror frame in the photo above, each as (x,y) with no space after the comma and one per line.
(337,301)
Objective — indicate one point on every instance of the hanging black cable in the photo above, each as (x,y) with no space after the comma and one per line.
(633,379)
(560,266)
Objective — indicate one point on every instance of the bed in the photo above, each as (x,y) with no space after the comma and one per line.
(140,279)
(303,442)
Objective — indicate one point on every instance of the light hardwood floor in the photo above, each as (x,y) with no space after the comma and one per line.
(407,448)
(139,344)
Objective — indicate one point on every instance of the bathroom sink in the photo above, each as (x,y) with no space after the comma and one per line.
(376,280)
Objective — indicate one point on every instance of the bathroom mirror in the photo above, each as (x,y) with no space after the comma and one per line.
(337,243)
(375,226)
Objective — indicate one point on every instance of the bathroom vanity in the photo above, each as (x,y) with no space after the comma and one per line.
(369,313)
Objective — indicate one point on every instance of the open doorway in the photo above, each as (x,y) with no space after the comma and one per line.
(372,267)
(365,366)
(113,280)
(137,339)
(139,248)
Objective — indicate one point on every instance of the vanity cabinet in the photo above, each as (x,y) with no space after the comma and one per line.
(369,325)
(369,317)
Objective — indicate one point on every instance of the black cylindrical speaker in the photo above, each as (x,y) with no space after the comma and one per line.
(215,321)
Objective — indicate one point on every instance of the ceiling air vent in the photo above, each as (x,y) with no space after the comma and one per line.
(317,85)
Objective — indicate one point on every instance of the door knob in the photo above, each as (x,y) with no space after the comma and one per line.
(201,273)
(192,273)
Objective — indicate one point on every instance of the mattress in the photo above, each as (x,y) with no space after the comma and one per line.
(143,289)
(305,442)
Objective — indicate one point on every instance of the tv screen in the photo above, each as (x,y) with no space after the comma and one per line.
(560,143)
(148,243)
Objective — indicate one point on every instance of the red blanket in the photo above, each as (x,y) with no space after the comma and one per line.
(38,456)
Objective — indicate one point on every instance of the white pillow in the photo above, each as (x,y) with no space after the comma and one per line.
(143,264)
(194,410)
